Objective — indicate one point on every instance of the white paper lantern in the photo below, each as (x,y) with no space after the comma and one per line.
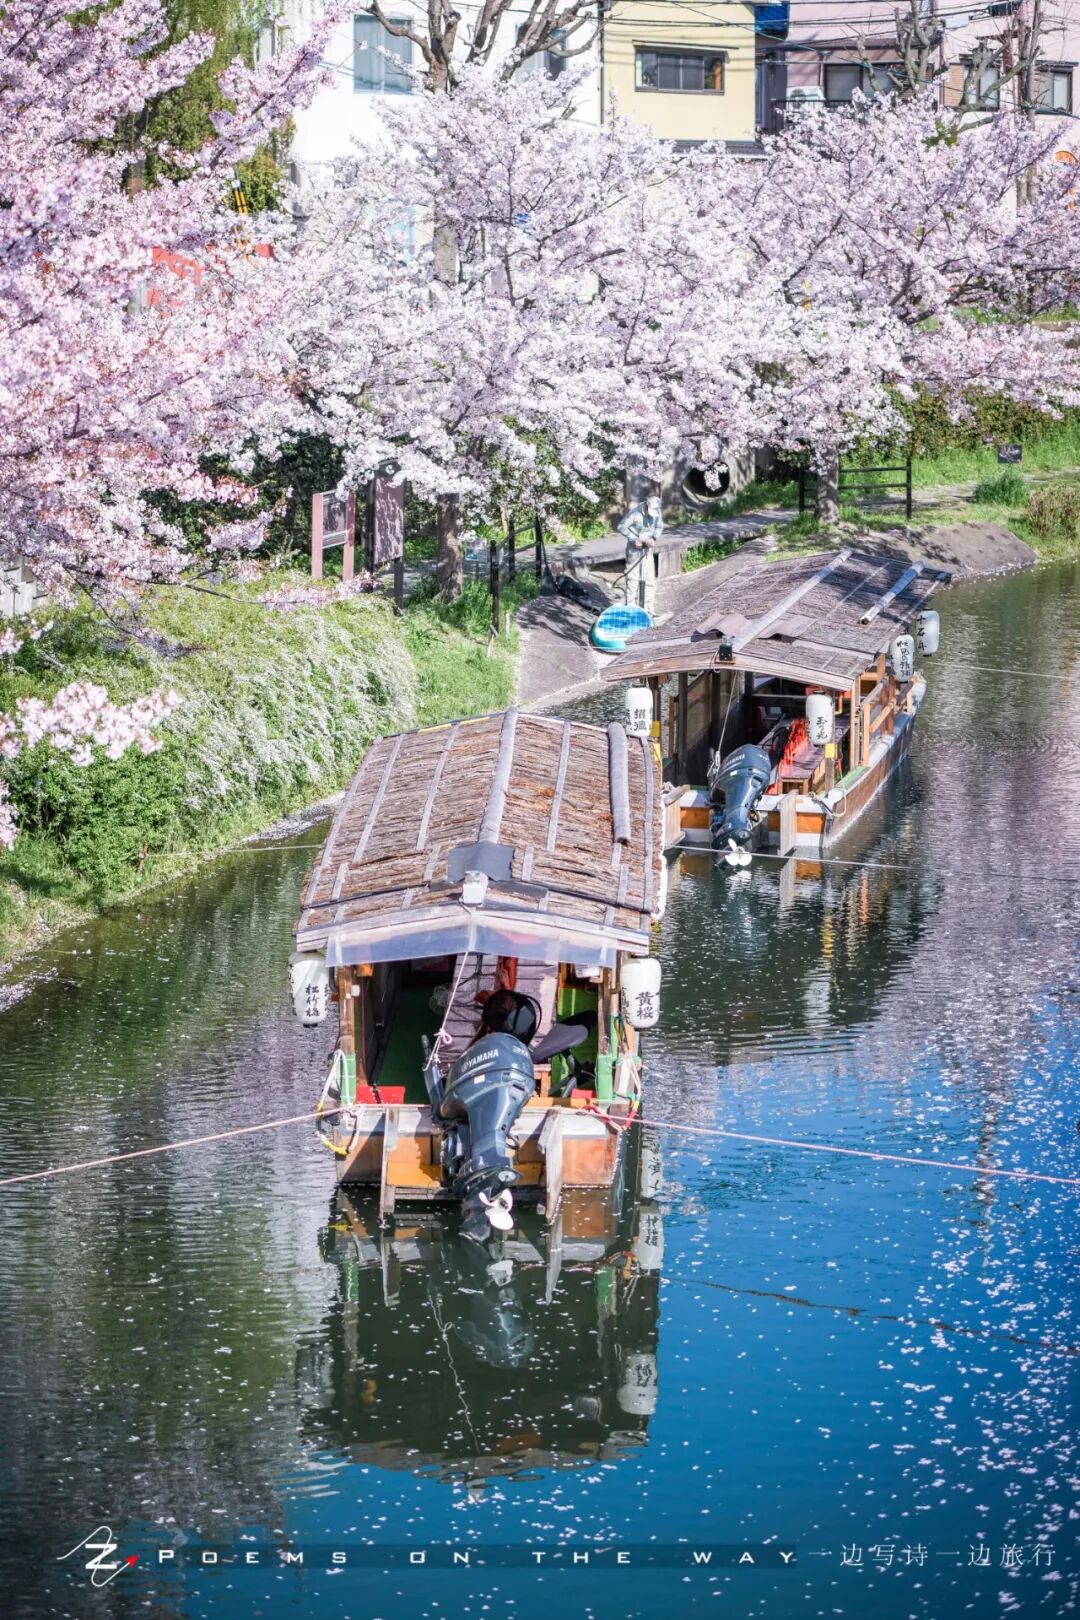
(648,1246)
(639,711)
(819,718)
(640,991)
(309,986)
(902,657)
(638,1388)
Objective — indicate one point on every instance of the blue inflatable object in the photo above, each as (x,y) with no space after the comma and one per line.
(616,625)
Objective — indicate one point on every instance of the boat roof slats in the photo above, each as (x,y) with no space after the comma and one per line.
(422,831)
(795,594)
(648,904)
(496,804)
(318,871)
(551,793)
(560,783)
(849,606)
(376,803)
(618,785)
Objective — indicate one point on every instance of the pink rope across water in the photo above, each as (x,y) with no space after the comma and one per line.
(656,1124)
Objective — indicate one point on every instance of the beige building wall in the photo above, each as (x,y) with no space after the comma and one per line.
(685,70)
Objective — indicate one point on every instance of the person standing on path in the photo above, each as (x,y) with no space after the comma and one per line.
(641,528)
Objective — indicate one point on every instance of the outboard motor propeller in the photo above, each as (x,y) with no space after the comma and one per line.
(483,1095)
(736,783)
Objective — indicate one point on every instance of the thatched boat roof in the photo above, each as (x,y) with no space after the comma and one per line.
(820,619)
(565,819)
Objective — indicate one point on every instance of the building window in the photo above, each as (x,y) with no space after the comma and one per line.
(544,63)
(689,72)
(374,73)
(985,90)
(1053,89)
(842,79)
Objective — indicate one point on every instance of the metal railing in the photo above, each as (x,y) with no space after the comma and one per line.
(863,482)
(788,109)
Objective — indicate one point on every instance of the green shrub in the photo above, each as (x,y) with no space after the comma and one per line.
(708,551)
(277,710)
(1007,489)
(1054,511)
(994,418)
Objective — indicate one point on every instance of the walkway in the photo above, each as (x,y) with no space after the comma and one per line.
(675,542)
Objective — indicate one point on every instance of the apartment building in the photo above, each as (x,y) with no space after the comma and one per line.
(685,68)
(834,49)
(688,71)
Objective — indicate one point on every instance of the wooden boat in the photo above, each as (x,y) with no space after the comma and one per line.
(741,664)
(514,854)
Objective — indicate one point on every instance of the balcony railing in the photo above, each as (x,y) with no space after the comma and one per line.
(784,111)
(779,113)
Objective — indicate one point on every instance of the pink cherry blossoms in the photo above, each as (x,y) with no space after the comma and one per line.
(79,718)
(504,278)
(120,366)
(495,301)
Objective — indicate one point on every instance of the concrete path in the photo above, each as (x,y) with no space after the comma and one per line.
(555,649)
(557,659)
(675,542)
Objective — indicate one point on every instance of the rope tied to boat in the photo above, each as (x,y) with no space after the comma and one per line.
(876,1155)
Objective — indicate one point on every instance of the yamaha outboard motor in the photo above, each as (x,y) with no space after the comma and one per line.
(484,1093)
(736,783)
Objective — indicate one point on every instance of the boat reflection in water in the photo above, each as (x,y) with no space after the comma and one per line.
(483,1361)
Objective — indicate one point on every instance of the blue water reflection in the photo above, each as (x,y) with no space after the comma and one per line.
(874,1361)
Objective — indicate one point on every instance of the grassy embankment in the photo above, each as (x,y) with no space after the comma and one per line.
(1038,501)
(277,710)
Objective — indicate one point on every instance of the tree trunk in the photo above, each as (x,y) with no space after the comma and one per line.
(448,559)
(449,563)
(827,506)
(444,253)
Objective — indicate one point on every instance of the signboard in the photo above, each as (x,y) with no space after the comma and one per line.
(19,591)
(1010,454)
(388,521)
(333,523)
(336,528)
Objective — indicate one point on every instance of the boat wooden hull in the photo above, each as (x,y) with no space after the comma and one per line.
(815,830)
(561,1145)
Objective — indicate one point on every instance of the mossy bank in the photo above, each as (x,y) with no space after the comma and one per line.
(277,709)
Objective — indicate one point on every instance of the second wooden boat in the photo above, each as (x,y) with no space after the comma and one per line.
(784,696)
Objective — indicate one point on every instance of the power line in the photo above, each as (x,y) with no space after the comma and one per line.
(761,855)
(167,1147)
(1035,674)
(861,1313)
(229,849)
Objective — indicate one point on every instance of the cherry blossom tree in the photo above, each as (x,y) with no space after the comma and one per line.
(78,721)
(615,303)
(501,33)
(899,261)
(514,370)
(138,328)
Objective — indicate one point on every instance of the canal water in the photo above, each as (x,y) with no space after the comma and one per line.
(870,1362)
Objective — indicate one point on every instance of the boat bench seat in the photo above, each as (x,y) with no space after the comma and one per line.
(536,979)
